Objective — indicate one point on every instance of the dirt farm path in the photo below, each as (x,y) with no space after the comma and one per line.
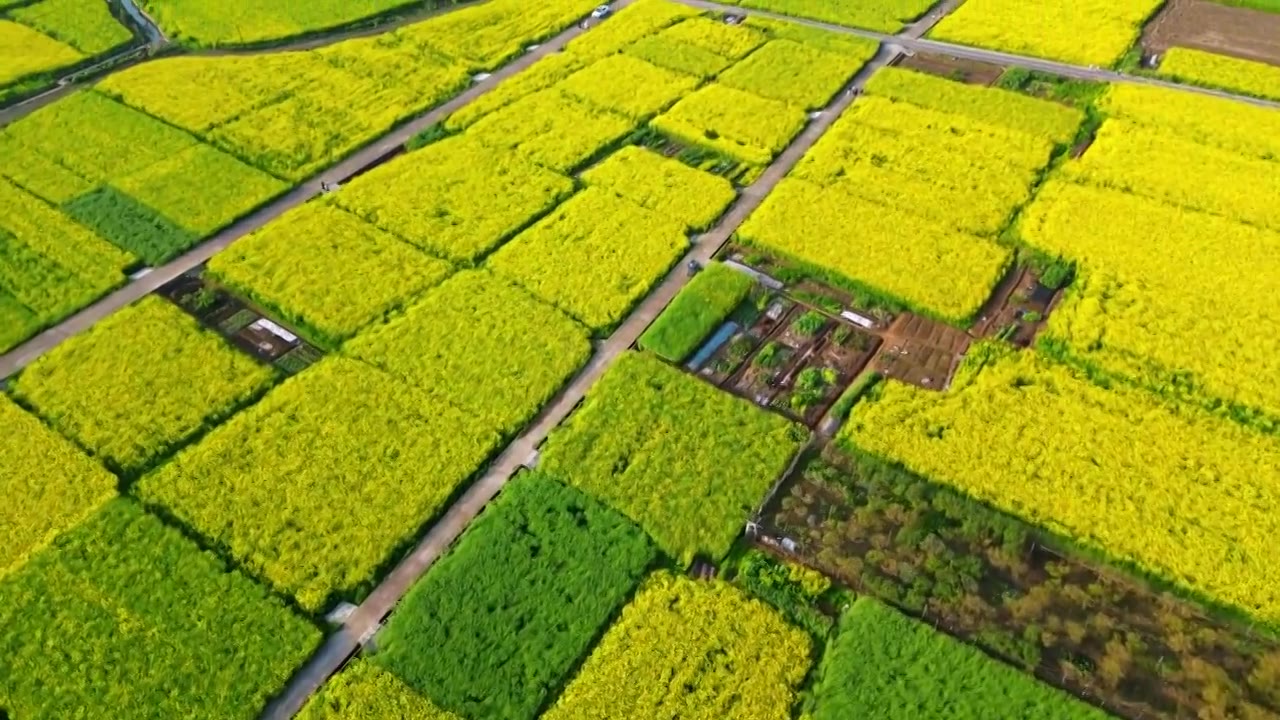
(365,621)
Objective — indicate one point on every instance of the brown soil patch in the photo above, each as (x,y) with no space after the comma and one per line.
(921,351)
(1203,25)
(967,71)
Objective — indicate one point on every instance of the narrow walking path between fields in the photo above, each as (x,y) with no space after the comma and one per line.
(136,289)
(365,621)
(966,52)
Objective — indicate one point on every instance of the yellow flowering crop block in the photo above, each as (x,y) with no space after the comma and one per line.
(326,270)
(730,41)
(593,257)
(1158,165)
(794,73)
(51,265)
(87,26)
(314,486)
(989,106)
(93,389)
(816,38)
(38,174)
(1157,280)
(237,22)
(638,20)
(654,661)
(1189,497)
(927,266)
(664,185)
(1221,71)
(1083,32)
(884,15)
(363,690)
(457,198)
(679,56)
(627,86)
(486,35)
(739,124)
(27,52)
(1235,126)
(544,73)
(551,129)
(484,332)
(49,485)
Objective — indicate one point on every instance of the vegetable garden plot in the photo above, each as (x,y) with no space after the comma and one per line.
(885,663)
(1248,131)
(689,649)
(87,26)
(1087,32)
(594,257)
(640,19)
(551,129)
(697,309)
(1173,299)
(138,383)
(739,124)
(627,86)
(442,198)
(1183,495)
(27,52)
(48,264)
(794,73)
(1158,165)
(684,460)
(478,330)
(494,627)
(884,15)
(314,486)
(1220,71)
(327,270)
(364,690)
(663,185)
(124,617)
(896,256)
(681,57)
(544,73)
(48,485)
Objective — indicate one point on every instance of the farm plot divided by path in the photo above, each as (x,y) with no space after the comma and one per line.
(39,39)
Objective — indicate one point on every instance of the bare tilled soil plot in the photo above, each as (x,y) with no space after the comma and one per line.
(1018,308)
(921,351)
(1204,25)
(967,71)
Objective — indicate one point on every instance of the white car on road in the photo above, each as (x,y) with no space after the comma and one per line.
(601,11)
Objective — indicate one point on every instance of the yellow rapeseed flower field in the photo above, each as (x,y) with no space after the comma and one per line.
(87,26)
(664,185)
(28,52)
(795,73)
(1221,71)
(1084,32)
(1235,126)
(741,125)
(1186,496)
(627,86)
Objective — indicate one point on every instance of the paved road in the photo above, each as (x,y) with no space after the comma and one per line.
(366,620)
(28,352)
(916,44)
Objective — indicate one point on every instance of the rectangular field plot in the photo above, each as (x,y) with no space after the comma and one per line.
(594,257)
(88,27)
(667,52)
(49,266)
(198,23)
(696,310)
(794,73)
(365,691)
(457,198)
(1084,32)
(551,129)
(663,185)
(326,270)
(687,462)
(490,34)
(640,19)
(1181,494)
(892,256)
(885,664)
(478,330)
(1154,285)
(125,617)
(138,383)
(544,73)
(314,486)
(29,52)
(496,624)
(627,86)
(728,41)
(883,15)
(48,485)
(690,649)
(741,125)
(1245,130)
(1220,71)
